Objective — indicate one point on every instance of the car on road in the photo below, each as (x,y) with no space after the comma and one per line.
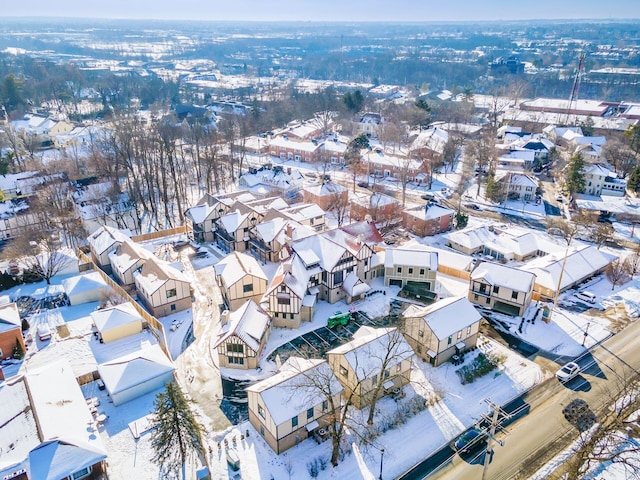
(363,184)
(586,296)
(472,206)
(428,196)
(569,371)
(472,440)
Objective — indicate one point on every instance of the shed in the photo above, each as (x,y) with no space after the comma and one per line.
(86,288)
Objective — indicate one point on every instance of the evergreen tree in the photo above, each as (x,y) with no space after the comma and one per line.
(176,434)
(462,219)
(493,188)
(18,351)
(633,183)
(574,179)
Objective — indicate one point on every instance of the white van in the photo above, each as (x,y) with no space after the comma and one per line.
(586,297)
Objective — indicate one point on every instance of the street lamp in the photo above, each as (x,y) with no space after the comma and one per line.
(381,459)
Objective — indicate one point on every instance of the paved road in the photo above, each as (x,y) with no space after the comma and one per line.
(534,439)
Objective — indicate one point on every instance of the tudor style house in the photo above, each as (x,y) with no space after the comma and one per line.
(200,219)
(501,288)
(373,356)
(243,336)
(240,278)
(10,330)
(102,242)
(128,258)
(162,289)
(442,329)
(292,293)
(294,403)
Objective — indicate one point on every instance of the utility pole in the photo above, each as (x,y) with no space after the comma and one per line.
(491,436)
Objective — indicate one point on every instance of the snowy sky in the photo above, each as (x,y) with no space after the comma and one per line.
(327,10)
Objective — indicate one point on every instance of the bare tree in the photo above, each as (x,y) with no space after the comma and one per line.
(633,261)
(484,152)
(338,203)
(565,229)
(617,273)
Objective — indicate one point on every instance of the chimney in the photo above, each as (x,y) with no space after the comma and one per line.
(289,232)
(224,317)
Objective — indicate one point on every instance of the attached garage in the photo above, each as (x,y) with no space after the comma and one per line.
(86,288)
(136,374)
(513,310)
(395,282)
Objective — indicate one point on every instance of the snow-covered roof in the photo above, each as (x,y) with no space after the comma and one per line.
(232,221)
(517,179)
(114,317)
(291,391)
(446,258)
(429,212)
(365,353)
(597,170)
(9,317)
(433,139)
(269,230)
(199,213)
(503,276)
(405,256)
(156,273)
(86,282)
(128,254)
(236,266)
(326,189)
(249,323)
(446,317)
(373,200)
(105,237)
(303,212)
(294,274)
(57,459)
(128,368)
(366,230)
(354,286)
(582,261)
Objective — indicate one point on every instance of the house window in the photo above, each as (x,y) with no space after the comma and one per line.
(386,374)
(410,271)
(284,300)
(475,297)
(374,380)
(261,411)
(236,360)
(419,349)
(247,288)
(294,421)
(496,289)
(309,413)
(262,430)
(422,271)
(344,372)
(325,405)
(459,334)
(514,295)
(449,341)
(171,293)
(421,333)
(398,367)
(291,316)
(488,300)
(235,348)
(85,472)
(337,277)
(399,270)
(173,307)
(469,330)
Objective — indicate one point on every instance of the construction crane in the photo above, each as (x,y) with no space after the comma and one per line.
(575,88)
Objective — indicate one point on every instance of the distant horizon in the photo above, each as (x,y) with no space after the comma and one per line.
(332,11)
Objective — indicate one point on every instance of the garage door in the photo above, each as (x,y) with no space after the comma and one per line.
(395,282)
(501,307)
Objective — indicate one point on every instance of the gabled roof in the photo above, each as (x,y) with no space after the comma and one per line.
(249,323)
(156,273)
(503,276)
(366,230)
(405,256)
(105,237)
(9,317)
(114,317)
(294,274)
(128,254)
(58,459)
(354,286)
(236,266)
(326,189)
(433,139)
(199,213)
(446,317)
(291,391)
(84,283)
(365,353)
(232,221)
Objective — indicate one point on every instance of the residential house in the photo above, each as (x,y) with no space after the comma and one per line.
(332,151)
(328,196)
(119,321)
(581,263)
(518,186)
(242,337)
(294,403)
(47,430)
(162,289)
(288,148)
(370,124)
(269,239)
(200,219)
(599,180)
(427,220)
(231,233)
(10,330)
(104,241)
(126,259)
(240,278)
(14,185)
(374,356)
(445,328)
(276,181)
(429,143)
(311,215)
(291,295)
(415,269)
(378,207)
(396,164)
(501,288)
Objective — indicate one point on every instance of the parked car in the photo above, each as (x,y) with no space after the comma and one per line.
(472,206)
(586,297)
(569,371)
(428,196)
(101,385)
(471,440)
(363,184)
(44,332)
